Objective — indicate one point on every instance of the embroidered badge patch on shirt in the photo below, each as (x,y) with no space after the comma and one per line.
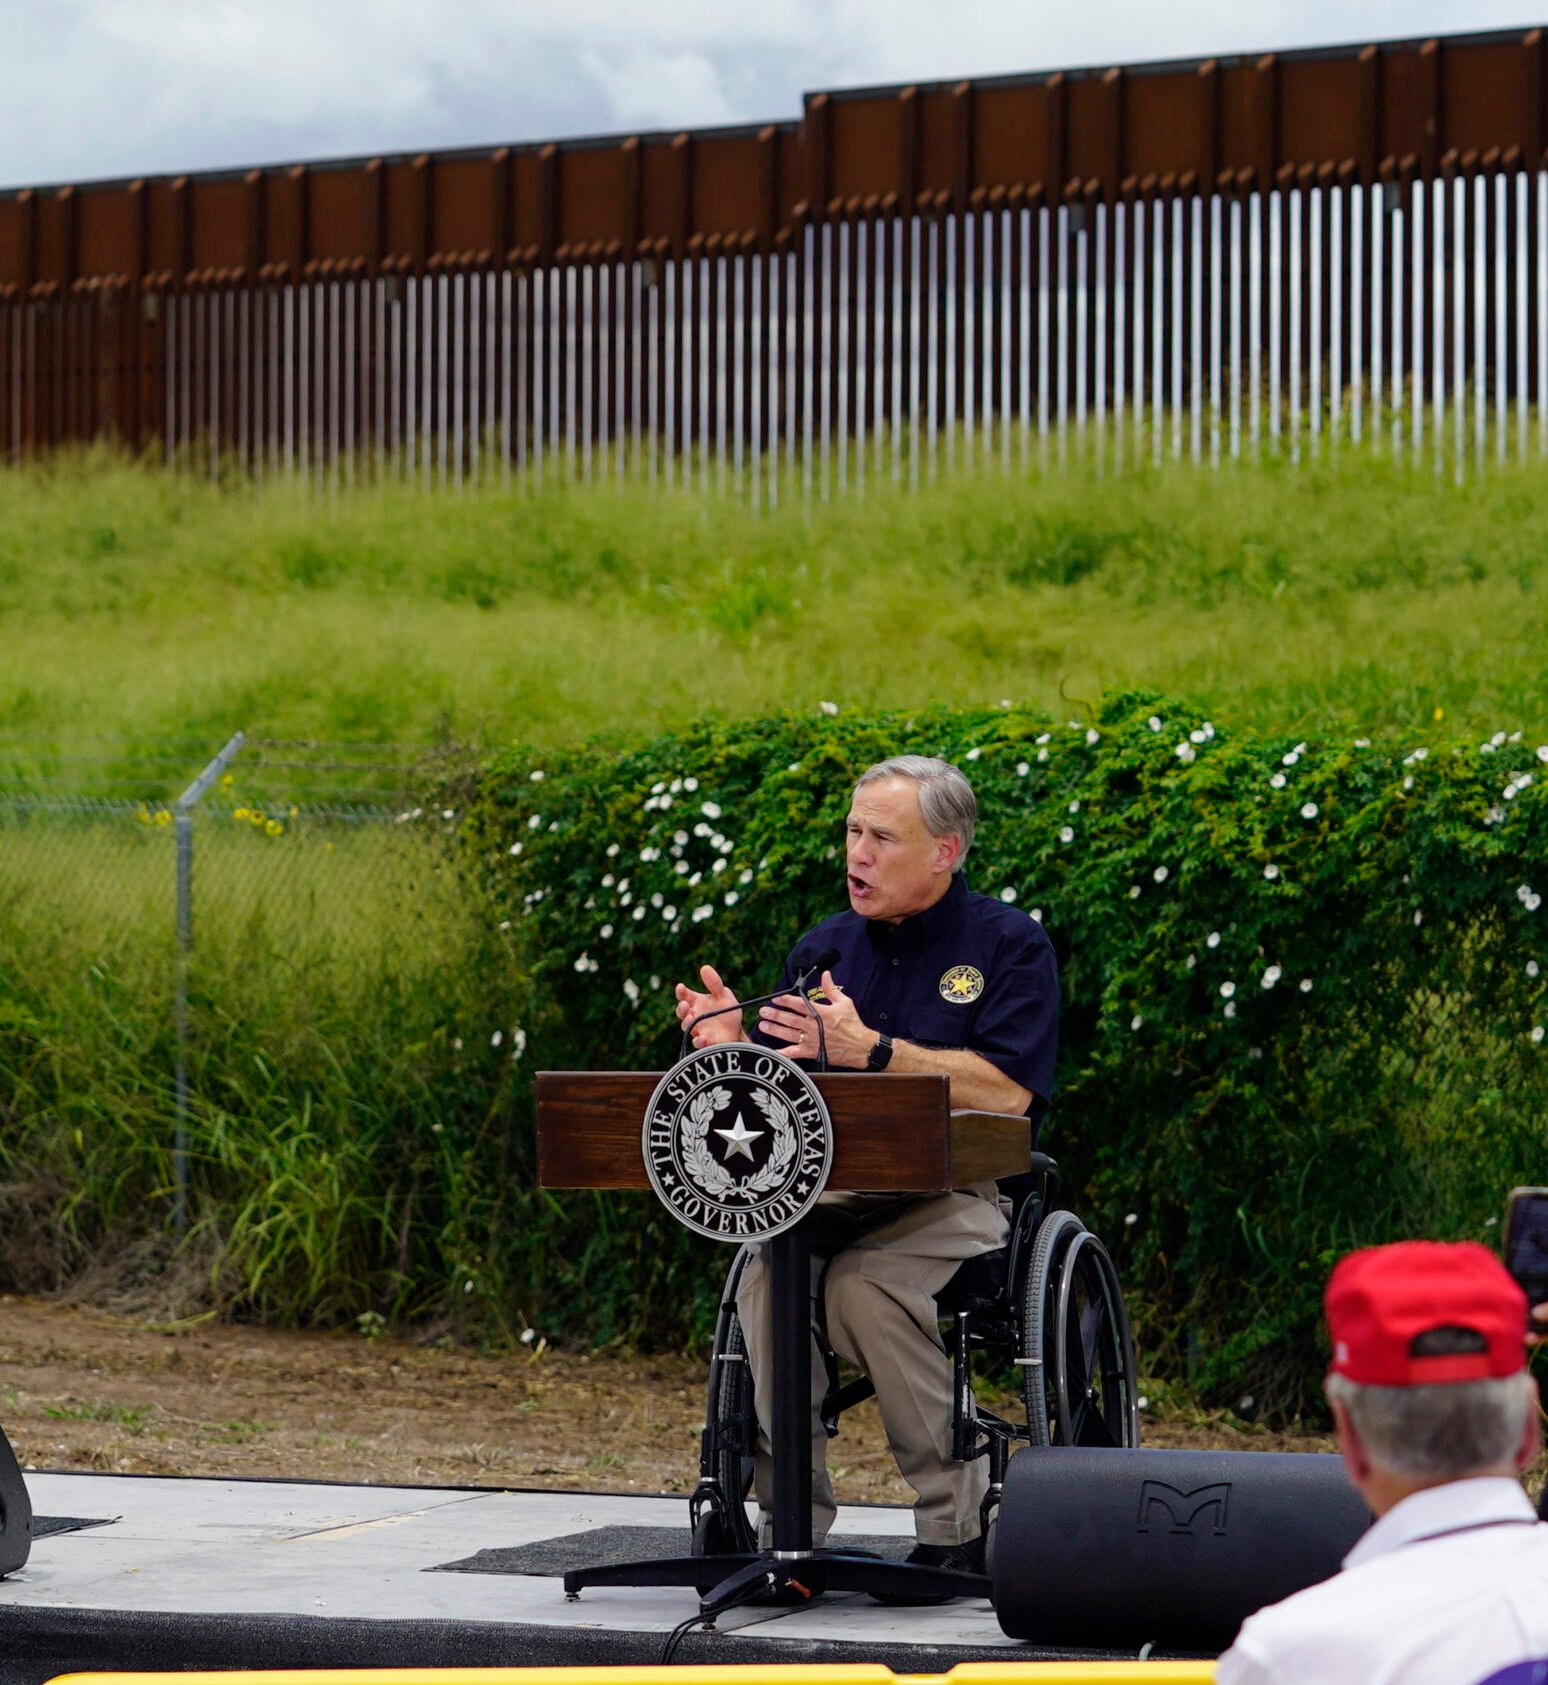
(963,983)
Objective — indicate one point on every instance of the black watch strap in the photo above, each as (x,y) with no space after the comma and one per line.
(880,1056)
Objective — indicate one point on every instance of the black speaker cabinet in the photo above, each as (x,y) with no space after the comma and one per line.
(15,1513)
(1115,1548)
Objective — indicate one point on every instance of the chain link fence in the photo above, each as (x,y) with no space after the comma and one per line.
(226,1011)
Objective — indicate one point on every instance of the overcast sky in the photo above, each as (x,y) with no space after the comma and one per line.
(104,88)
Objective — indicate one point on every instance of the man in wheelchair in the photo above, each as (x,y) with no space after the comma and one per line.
(929,978)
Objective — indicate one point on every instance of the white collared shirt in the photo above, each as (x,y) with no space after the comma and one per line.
(1450,1587)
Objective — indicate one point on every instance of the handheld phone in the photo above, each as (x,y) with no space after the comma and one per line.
(1526,1241)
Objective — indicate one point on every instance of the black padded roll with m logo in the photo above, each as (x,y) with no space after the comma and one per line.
(1116,1548)
(15,1513)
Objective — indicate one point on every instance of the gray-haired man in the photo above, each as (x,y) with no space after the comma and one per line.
(930,978)
(1436,1416)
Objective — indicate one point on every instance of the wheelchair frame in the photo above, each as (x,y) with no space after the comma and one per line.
(1050,1299)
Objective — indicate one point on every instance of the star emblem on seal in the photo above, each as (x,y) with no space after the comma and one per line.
(737,1142)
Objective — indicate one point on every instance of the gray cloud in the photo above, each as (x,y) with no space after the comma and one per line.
(93,88)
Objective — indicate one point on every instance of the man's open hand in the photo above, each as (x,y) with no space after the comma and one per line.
(715,997)
(786,1022)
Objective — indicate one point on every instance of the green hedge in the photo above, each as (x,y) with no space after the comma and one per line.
(1303,990)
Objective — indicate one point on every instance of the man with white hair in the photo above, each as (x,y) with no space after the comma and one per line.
(929,978)
(1436,1417)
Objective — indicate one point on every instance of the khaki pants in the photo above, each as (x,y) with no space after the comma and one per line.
(881,1316)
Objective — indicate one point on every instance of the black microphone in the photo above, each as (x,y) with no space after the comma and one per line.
(812,972)
(806,974)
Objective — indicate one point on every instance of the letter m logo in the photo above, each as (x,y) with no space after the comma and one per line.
(1183,1509)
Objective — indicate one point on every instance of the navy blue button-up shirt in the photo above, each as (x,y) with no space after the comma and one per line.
(968,972)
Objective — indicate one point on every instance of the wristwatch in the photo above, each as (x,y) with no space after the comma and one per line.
(880,1056)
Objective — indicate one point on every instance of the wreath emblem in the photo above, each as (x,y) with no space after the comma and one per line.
(707,1170)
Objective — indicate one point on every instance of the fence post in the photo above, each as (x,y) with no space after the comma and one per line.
(186,803)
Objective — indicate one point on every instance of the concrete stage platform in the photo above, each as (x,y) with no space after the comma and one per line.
(219,1574)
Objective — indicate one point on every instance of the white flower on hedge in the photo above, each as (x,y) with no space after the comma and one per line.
(719,864)
(535,822)
(1277,782)
(1134,891)
(681,868)
(1042,754)
(745,875)
(655,984)
(605,932)
(1197,736)
(1191,961)
(1532,903)
(1498,739)
(1290,758)
(828,707)
(632,990)
(1408,782)
(497,1038)
(1227,989)
(1212,940)
(702,913)
(731,898)
(1418,916)
(695,879)
(675,787)
(1229,1009)
(1154,722)
(583,963)
(1531,968)
(1186,752)
(1067,834)
(1075,806)
(1045,738)
(515,848)
(690,785)
(657,899)
(1306,985)
(1308,810)
(1271,976)
(974,753)
(1036,913)
(537,775)
(1541,751)
(1537,1032)
(1093,736)
(710,810)
(1135,1022)
(1161,873)
(612,851)
(1271,871)
(1362,743)
(680,838)
(668,913)
(1007,894)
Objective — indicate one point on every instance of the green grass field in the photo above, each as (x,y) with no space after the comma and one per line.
(1352,593)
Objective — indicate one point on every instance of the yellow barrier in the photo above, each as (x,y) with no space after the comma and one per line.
(816,1673)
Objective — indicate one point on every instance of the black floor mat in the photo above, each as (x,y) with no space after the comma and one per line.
(622,1544)
(43,1525)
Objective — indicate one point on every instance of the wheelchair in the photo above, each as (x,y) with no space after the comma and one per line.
(1047,1303)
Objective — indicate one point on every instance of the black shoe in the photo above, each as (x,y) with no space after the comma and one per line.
(966,1558)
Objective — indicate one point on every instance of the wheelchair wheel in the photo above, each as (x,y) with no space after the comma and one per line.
(720,1518)
(1077,1352)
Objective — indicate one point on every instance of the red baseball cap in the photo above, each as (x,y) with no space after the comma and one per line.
(1381,1301)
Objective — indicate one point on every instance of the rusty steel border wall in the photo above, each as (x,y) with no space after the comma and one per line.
(902,258)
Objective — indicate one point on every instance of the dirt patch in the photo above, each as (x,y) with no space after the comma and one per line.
(88,1389)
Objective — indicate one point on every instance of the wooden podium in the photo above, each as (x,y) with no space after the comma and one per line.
(891,1134)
